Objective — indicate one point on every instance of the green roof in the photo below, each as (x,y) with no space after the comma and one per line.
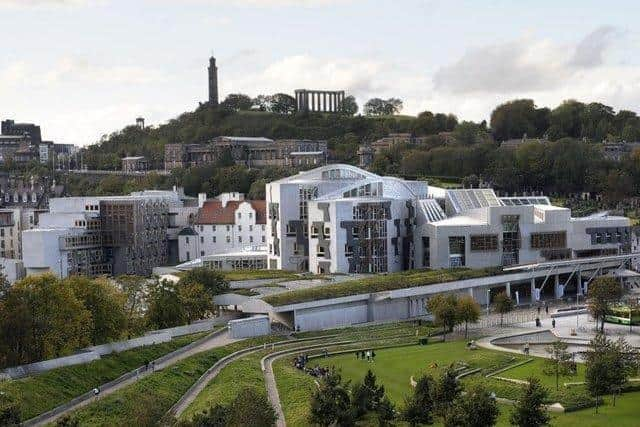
(379,283)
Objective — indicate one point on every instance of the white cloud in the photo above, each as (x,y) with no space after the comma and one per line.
(77,69)
(276,3)
(42,3)
(590,51)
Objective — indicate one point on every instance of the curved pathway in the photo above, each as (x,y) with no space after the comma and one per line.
(216,339)
(187,399)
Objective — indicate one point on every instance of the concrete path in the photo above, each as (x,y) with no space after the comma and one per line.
(213,340)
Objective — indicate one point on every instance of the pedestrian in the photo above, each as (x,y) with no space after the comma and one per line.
(153,366)
(96,392)
(538,324)
(553,323)
(546,308)
(526,348)
(325,352)
(146,365)
(373,356)
(538,309)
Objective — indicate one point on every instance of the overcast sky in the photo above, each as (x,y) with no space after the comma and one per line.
(83,68)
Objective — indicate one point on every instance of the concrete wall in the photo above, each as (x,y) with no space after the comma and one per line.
(249,327)
(334,316)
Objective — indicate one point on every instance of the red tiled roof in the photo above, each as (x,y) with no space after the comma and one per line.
(212,212)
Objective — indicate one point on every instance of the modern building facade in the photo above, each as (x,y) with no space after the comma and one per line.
(229,223)
(133,164)
(341,219)
(105,235)
(247,151)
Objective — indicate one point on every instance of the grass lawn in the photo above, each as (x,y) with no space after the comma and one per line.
(393,368)
(147,400)
(258,274)
(43,392)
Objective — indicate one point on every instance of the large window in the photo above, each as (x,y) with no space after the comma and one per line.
(549,240)
(456,251)
(484,242)
(426,252)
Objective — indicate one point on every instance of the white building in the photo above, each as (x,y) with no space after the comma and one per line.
(106,235)
(228,223)
(341,219)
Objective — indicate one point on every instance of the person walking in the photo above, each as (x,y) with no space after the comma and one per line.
(546,308)
(553,323)
(373,356)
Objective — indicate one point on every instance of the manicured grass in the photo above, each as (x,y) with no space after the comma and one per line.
(147,400)
(379,283)
(295,390)
(536,369)
(43,392)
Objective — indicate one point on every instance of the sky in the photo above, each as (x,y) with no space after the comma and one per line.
(85,68)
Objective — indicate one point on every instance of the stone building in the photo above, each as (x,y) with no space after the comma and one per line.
(29,130)
(618,151)
(396,138)
(319,101)
(228,223)
(213,81)
(247,151)
(135,164)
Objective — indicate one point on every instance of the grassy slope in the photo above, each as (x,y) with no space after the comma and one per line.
(379,283)
(227,384)
(259,274)
(152,396)
(50,389)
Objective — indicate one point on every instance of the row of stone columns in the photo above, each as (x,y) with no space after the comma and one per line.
(319,101)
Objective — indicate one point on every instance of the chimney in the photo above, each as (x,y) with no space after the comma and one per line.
(202,197)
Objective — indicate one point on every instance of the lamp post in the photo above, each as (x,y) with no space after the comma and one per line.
(488,300)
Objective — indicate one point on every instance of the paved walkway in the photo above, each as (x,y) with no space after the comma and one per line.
(214,340)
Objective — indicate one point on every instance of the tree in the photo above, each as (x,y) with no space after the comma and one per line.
(105,302)
(134,289)
(262,102)
(466,133)
(559,359)
(382,107)
(517,118)
(603,291)
(237,102)
(386,412)
(216,416)
(529,410)
(251,409)
(282,103)
(503,304)
(444,309)
(196,302)
(213,281)
(477,408)
(349,105)
(41,318)
(331,403)
(608,365)
(468,312)
(446,390)
(418,408)
(165,308)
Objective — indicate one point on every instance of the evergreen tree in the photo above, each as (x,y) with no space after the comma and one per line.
(530,410)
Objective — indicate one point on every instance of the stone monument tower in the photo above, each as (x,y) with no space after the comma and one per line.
(213,81)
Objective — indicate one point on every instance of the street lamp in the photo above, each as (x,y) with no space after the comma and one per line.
(488,299)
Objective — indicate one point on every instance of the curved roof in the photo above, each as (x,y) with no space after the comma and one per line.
(332,172)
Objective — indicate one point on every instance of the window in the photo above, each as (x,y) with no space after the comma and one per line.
(239,239)
(201,239)
(201,253)
(262,239)
(321,251)
(270,248)
(201,228)
(213,228)
(426,251)
(291,230)
(239,215)
(228,228)
(484,242)
(262,227)
(251,228)
(456,251)
(187,240)
(228,239)
(239,228)
(549,240)
(314,231)
(348,250)
(296,249)
(327,232)
(250,239)
(214,239)
(250,214)
(188,256)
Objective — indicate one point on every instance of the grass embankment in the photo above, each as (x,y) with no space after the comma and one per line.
(147,400)
(380,283)
(247,372)
(393,368)
(45,391)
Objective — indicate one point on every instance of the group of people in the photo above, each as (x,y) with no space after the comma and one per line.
(368,355)
(300,362)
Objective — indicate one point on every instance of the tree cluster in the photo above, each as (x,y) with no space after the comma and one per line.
(336,402)
(443,399)
(450,310)
(603,292)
